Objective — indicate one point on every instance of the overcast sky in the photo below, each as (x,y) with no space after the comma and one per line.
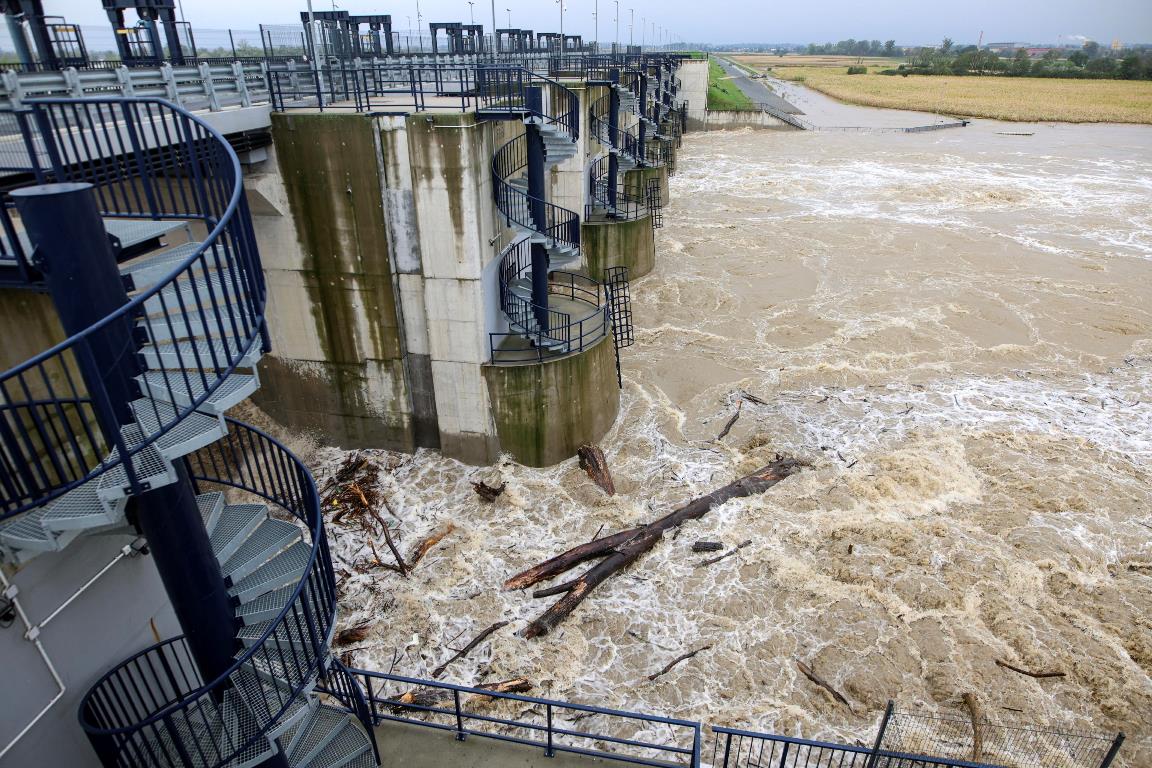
(717,21)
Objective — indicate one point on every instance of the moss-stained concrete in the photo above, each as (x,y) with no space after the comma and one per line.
(613,243)
(331,169)
(636,182)
(544,412)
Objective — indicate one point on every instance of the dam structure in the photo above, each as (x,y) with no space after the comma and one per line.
(385,248)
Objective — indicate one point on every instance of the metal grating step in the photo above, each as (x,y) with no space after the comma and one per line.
(265,607)
(191,433)
(269,538)
(236,522)
(183,388)
(216,289)
(133,232)
(82,509)
(286,568)
(323,727)
(292,631)
(216,354)
(190,325)
(148,270)
(366,760)
(271,699)
(197,731)
(151,468)
(350,742)
(26,536)
(243,732)
(211,507)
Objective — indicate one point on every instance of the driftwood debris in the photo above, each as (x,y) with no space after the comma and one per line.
(811,675)
(487,492)
(1037,675)
(683,657)
(592,461)
(426,545)
(707,546)
(731,422)
(729,553)
(977,734)
(401,566)
(620,550)
(352,492)
(352,635)
(468,648)
(430,697)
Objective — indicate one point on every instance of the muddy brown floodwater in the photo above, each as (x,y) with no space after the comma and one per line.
(955,328)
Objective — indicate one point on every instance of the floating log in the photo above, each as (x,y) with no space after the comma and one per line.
(729,553)
(592,461)
(731,422)
(1037,675)
(707,546)
(423,547)
(977,734)
(431,697)
(811,675)
(487,492)
(352,634)
(621,549)
(468,648)
(684,657)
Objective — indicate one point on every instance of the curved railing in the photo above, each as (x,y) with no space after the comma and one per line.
(561,226)
(624,141)
(154,709)
(147,158)
(627,207)
(550,333)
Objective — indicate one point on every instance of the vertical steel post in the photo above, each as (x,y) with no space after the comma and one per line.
(880,735)
(19,42)
(537,206)
(1116,743)
(641,151)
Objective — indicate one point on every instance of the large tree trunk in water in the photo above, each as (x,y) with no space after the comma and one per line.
(622,549)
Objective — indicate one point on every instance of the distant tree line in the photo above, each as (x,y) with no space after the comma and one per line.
(856,48)
(1090,61)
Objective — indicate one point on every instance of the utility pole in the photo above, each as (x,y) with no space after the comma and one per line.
(561,4)
(617,23)
(631,23)
(596,24)
(471,15)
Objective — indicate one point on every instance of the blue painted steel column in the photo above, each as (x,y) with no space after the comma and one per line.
(537,206)
(613,127)
(19,42)
(71,248)
(643,132)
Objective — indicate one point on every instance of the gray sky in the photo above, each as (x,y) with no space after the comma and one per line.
(908,21)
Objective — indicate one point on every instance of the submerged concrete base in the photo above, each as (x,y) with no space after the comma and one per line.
(416,746)
(636,182)
(545,411)
(614,243)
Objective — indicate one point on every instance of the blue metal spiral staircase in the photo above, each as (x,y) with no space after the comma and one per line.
(123,424)
(531,268)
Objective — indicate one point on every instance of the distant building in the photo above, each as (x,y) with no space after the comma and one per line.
(1005,49)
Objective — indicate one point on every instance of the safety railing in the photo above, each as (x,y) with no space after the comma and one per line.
(147,158)
(154,709)
(617,138)
(625,206)
(373,87)
(505,89)
(342,685)
(560,225)
(548,333)
(556,727)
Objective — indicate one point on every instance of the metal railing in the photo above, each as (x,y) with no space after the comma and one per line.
(505,89)
(618,138)
(151,159)
(549,333)
(561,226)
(553,726)
(627,207)
(373,87)
(154,709)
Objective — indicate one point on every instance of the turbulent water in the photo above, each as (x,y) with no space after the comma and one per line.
(954,328)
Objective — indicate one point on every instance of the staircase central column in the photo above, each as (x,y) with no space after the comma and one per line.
(534,100)
(643,132)
(73,251)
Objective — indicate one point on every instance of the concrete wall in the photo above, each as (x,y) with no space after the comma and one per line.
(545,412)
(636,182)
(338,362)
(611,243)
(123,612)
(731,120)
(693,74)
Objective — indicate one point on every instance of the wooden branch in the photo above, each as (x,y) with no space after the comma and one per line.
(395,552)
(431,697)
(592,461)
(677,660)
(1037,675)
(808,673)
(423,547)
(622,549)
(731,422)
(487,492)
(352,634)
(468,648)
(707,546)
(977,734)
(729,553)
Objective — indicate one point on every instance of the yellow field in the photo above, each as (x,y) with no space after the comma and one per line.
(760,61)
(1027,99)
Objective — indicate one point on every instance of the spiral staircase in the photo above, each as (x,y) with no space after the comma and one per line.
(195,317)
(511,93)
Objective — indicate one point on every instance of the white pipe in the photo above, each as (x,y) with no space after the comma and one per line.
(125,552)
(33,636)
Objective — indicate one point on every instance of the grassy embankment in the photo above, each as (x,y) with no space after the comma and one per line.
(1026,99)
(723,94)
